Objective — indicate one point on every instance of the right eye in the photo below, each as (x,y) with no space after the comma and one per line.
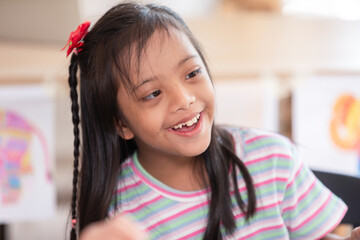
(153,95)
(193,73)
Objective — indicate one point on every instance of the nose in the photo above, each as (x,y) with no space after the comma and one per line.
(182,98)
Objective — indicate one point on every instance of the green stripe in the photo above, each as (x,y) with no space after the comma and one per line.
(298,181)
(125,172)
(264,142)
(155,207)
(273,233)
(320,220)
(271,163)
(140,189)
(173,225)
(306,202)
(272,213)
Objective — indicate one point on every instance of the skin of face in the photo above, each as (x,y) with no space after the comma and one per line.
(172,86)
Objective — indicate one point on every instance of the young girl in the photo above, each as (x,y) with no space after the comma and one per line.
(151,152)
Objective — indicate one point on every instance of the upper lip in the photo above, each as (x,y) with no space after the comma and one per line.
(185,119)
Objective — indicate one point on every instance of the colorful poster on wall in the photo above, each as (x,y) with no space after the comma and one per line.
(326,123)
(26,153)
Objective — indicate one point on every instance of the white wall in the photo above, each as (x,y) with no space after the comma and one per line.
(93,9)
(263,42)
(37,20)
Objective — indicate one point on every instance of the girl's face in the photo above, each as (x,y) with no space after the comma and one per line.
(171,110)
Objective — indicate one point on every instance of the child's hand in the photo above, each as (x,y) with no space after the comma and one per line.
(355,235)
(120,227)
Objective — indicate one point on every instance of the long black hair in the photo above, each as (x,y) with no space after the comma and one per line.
(104,62)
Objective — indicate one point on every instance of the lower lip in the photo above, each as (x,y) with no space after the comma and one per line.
(196,130)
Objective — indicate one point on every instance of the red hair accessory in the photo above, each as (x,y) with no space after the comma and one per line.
(73,223)
(76,38)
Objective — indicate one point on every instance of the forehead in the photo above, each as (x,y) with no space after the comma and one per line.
(163,51)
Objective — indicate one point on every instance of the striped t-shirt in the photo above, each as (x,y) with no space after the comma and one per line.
(291,202)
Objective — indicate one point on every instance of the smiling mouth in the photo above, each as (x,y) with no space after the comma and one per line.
(188,124)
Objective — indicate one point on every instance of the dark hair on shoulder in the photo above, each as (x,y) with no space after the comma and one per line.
(104,63)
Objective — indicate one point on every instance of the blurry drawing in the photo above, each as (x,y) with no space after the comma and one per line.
(345,124)
(326,122)
(15,154)
(26,148)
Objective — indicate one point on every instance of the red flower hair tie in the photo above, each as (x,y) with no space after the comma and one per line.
(76,38)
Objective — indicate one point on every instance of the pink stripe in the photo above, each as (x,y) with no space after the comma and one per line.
(300,198)
(258,209)
(336,223)
(296,174)
(266,158)
(313,215)
(267,149)
(259,184)
(263,230)
(125,164)
(200,231)
(193,234)
(256,138)
(184,195)
(126,187)
(180,232)
(141,206)
(277,179)
(177,215)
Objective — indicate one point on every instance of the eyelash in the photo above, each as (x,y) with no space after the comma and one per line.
(152,95)
(158,92)
(193,73)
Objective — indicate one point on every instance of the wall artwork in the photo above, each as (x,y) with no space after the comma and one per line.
(326,122)
(26,153)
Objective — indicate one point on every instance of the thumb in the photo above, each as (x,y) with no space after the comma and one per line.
(128,228)
(355,234)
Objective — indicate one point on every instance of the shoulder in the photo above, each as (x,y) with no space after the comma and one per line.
(256,142)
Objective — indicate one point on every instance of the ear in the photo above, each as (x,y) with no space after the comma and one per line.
(123,131)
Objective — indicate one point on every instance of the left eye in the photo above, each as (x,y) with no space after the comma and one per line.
(153,95)
(193,73)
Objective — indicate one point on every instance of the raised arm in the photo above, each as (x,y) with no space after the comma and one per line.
(355,235)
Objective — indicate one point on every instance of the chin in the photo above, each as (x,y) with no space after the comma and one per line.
(197,149)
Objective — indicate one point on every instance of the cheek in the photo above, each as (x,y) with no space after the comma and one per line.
(148,120)
(208,93)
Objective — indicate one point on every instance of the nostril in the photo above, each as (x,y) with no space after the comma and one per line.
(184,101)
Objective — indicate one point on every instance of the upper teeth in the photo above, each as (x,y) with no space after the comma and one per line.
(188,123)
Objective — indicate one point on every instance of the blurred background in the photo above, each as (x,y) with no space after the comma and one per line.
(290,66)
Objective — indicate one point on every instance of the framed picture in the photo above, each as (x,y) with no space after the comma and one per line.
(326,122)
(27,189)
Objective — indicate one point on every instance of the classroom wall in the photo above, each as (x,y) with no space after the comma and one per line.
(251,50)
(37,20)
(239,42)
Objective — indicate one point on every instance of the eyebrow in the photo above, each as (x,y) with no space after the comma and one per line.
(144,82)
(186,59)
(182,62)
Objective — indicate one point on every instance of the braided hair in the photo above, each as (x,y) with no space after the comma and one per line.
(76,120)
(104,63)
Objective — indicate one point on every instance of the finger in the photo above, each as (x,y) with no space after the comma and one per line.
(121,227)
(95,231)
(355,234)
(128,228)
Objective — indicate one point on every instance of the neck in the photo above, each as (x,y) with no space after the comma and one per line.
(178,172)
